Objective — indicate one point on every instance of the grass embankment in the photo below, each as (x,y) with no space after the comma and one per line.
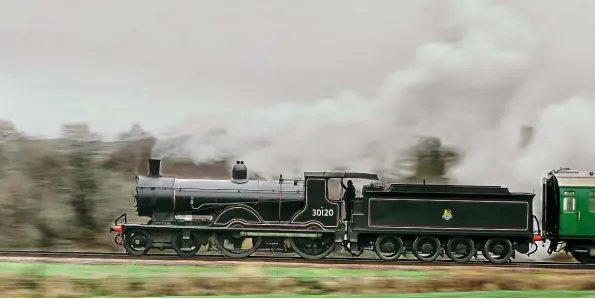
(61,280)
(479,294)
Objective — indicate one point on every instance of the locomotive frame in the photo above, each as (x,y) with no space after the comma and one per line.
(311,231)
(313,228)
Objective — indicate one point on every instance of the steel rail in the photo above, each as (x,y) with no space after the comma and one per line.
(272,259)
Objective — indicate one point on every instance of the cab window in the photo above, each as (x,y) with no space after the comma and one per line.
(333,189)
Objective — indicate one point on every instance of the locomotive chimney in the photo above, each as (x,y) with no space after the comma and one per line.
(239,173)
(154,168)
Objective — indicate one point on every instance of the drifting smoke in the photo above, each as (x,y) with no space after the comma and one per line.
(475,90)
(449,86)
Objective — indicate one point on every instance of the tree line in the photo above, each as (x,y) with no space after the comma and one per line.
(66,192)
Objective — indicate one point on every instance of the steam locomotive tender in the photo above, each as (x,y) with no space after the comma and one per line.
(240,216)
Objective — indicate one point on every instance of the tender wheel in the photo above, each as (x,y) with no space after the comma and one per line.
(193,245)
(460,249)
(426,249)
(137,242)
(584,258)
(231,244)
(389,248)
(498,250)
(313,248)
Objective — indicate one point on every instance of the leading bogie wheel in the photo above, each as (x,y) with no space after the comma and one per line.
(137,242)
(191,247)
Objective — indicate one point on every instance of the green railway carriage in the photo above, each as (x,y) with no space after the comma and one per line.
(569,213)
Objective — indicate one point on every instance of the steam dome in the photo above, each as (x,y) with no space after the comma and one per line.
(239,173)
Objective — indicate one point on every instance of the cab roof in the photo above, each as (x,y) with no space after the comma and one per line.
(341,174)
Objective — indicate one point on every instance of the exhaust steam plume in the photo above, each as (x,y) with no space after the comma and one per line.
(495,68)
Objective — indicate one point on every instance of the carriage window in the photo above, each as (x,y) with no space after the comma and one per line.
(591,201)
(568,193)
(569,204)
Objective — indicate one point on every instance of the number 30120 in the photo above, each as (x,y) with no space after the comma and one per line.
(322,212)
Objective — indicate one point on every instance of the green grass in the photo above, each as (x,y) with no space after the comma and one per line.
(35,279)
(140,271)
(481,294)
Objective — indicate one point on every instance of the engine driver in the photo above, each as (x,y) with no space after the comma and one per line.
(348,198)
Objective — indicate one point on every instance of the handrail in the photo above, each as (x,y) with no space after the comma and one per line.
(238,190)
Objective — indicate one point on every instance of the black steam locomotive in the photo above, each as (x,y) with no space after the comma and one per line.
(239,216)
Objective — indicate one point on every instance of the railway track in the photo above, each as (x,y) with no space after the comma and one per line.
(274,259)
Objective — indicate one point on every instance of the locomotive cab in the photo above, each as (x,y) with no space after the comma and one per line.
(330,190)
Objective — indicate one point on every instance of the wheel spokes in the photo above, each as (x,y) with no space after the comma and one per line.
(137,242)
(389,247)
(498,250)
(426,249)
(460,249)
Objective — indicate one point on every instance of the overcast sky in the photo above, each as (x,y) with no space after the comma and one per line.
(111,63)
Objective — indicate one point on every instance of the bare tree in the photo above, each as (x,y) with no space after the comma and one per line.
(136,132)
(8,131)
(79,132)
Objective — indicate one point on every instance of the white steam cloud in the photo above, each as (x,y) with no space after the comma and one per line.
(496,72)
(475,89)
(468,90)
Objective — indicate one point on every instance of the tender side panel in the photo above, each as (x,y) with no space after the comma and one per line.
(448,214)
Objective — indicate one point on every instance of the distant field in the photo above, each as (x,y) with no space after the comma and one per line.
(19,279)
